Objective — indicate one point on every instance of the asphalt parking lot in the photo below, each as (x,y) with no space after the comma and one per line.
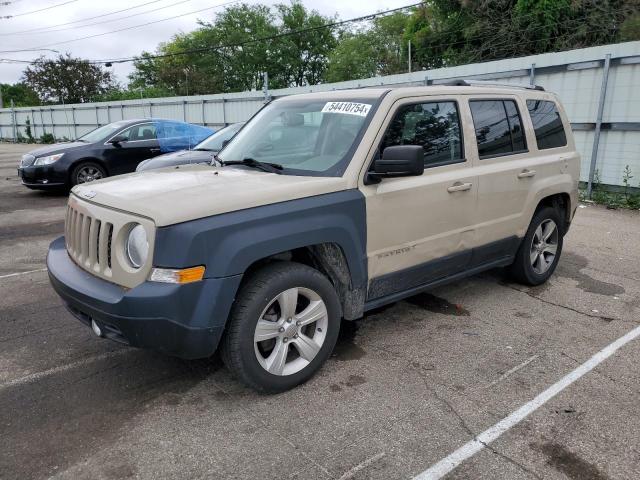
(406,386)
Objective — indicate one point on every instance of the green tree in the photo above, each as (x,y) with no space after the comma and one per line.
(452,32)
(232,52)
(379,49)
(21,94)
(303,57)
(66,79)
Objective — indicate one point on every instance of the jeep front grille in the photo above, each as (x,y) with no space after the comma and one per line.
(89,241)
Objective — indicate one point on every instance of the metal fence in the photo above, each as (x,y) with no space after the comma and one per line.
(599,87)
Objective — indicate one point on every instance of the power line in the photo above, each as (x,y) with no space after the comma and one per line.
(136,26)
(260,39)
(39,10)
(113,19)
(81,20)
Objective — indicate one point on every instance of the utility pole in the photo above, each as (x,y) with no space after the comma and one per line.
(409,56)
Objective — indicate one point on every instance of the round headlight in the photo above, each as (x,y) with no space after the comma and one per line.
(137,246)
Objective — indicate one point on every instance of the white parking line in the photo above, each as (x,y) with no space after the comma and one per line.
(22,273)
(62,368)
(469,449)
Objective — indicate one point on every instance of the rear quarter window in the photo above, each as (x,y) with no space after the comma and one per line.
(498,128)
(547,124)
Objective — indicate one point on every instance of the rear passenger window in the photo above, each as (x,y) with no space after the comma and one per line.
(435,126)
(498,127)
(547,124)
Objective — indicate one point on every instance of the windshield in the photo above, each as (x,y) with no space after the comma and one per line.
(215,141)
(306,137)
(101,133)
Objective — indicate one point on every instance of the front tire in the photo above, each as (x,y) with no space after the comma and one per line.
(282,328)
(87,172)
(540,250)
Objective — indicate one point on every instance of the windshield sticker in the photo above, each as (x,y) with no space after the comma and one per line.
(350,108)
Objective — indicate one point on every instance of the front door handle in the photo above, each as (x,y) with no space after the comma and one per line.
(459,187)
(154,150)
(526,173)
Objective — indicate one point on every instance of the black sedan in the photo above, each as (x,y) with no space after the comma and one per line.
(109,150)
(202,153)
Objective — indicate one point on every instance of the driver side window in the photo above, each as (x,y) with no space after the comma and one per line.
(435,126)
(146,131)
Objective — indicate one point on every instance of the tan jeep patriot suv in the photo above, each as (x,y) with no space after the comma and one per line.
(323,206)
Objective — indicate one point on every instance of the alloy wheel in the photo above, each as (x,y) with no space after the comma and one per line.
(544,246)
(291,331)
(88,174)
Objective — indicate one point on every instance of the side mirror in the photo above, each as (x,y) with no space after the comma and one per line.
(118,139)
(398,161)
(225,143)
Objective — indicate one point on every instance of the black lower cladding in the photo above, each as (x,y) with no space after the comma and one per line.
(436,272)
(186,321)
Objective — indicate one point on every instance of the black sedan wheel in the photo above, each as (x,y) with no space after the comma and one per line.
(87,172)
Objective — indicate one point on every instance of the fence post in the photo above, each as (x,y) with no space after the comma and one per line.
(596,133)
(13,122)
(224,112)
(265,87)
(73,119)
(204,122)
(108,114)
(97,118)
(184,110)
(53,124)
(532,74)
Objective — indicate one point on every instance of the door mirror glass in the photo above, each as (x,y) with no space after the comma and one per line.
(400,161)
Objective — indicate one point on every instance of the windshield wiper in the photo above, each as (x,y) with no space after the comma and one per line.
(252,162)
(203,150)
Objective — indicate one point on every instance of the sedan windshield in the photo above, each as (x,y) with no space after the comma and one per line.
(305,137)
(102,133)
(215,141)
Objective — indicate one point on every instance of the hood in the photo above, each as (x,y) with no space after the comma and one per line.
(183,157)
(57,148)
(179,194)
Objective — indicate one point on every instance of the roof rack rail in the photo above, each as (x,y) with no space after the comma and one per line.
(489,83)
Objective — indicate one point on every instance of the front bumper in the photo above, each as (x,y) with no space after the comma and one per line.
(185,321)
(42,177)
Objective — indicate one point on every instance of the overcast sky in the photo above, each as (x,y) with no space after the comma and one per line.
(129,42)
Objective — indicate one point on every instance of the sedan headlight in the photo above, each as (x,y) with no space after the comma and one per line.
(48,160)
(137,246)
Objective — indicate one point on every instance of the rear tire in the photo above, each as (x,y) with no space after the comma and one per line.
(540,250)
(282,328)
(87,172)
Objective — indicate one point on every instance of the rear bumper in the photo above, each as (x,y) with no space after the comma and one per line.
(186,321)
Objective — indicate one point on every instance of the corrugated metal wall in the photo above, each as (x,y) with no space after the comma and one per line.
(576,76)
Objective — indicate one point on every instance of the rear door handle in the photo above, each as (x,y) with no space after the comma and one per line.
(459,187)
(154,150)
(526,173)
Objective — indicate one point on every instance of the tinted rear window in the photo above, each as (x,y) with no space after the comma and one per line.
(547,124)
(498,127)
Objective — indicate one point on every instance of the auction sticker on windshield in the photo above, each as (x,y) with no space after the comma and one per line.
(350,108)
